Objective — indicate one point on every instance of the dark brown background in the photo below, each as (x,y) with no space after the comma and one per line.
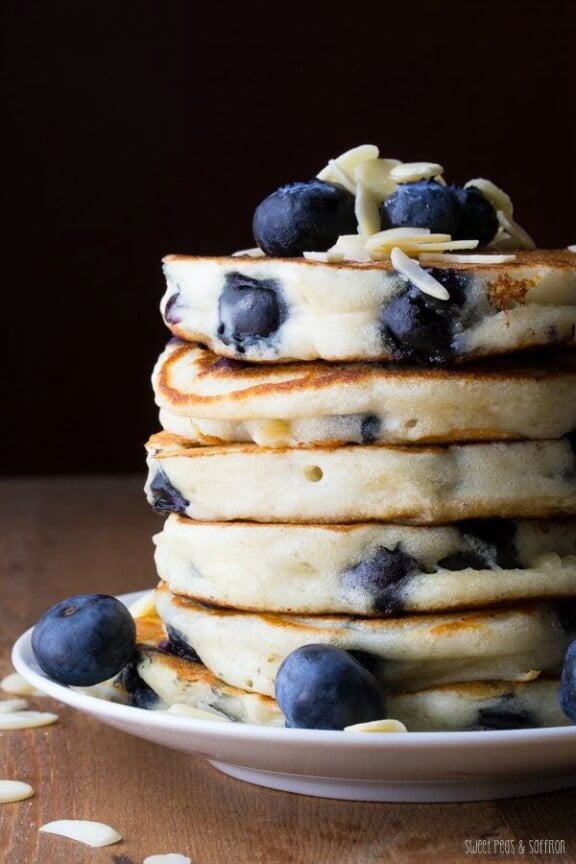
(137,128)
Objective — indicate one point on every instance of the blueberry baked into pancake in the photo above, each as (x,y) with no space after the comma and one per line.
(367,462)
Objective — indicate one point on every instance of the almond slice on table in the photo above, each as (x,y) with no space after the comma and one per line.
(91,833)
(17,685)
(167,858)
(9,705)
(14,790)
(26,719)
(571,248)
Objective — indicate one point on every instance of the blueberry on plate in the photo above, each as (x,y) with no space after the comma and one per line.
(84,639)
(322,687)
(303,217)
(568,683)
(425,204)
(478,219)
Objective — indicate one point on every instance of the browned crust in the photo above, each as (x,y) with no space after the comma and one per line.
(458,621)
(556,258)
(319,375)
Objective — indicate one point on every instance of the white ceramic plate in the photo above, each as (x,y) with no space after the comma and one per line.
(417,766)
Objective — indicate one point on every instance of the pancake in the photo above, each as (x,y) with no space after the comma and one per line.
(274,309)
(366,569)
(161,679)
(454,707)
(407,654)
(417,485)
(211,400)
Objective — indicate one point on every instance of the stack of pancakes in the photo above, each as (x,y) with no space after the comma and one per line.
(327,481)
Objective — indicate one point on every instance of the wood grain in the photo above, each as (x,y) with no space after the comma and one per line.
(64,535)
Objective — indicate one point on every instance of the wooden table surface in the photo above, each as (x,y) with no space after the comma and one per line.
(62,536)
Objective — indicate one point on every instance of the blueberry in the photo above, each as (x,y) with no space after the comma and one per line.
(249,310)
(568,683)
(141,694)
(177,645)
(322,687)
(303,217)
(383,576)
(478,220)
(418,328)
(425,204)
(85,639)
(464,560)
(494,540)
(505,718)
(165,496)
(370,429)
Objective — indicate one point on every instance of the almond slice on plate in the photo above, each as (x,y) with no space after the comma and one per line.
(377,726)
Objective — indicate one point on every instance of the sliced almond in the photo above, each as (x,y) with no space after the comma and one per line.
(377,726)
(423,280)
(253,252)
(389,235)
(91,833)
(500,199)
(324,257)
(375,174)
(144,607)
(341,170)
(9,705)
(14,790)
(183,710)
(26,719)
(167,858)
(447,258)
(411,172)
(17,685)
(571,248)
(366,211)
(447,246)
(532,675)
(352,247)
(516,232)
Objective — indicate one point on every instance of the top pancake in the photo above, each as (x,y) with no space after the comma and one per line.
(212,400)
(344,311)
